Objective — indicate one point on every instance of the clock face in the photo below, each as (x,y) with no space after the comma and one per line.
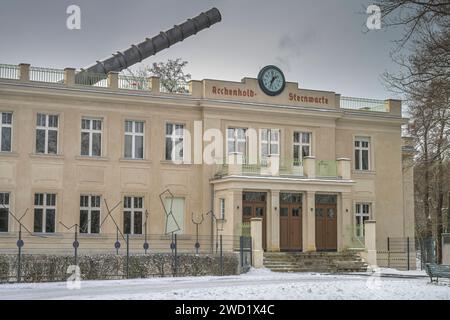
(271,80)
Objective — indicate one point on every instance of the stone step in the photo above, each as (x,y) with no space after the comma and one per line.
(328,262)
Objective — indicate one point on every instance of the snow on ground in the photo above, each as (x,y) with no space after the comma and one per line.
(260,284)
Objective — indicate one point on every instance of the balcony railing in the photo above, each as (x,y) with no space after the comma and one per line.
(326,168)
(364,104)
(309,168)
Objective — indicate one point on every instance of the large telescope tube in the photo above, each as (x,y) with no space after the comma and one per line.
(136,53)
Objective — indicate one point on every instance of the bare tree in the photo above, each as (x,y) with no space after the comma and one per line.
(171,74)
(424,81)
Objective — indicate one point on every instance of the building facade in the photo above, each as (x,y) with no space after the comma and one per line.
(312,164)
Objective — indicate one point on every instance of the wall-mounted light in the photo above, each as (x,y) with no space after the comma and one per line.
(346,210)
(311,209)
(238,207)
(276,208)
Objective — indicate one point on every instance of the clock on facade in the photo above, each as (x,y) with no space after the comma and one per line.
(271,80)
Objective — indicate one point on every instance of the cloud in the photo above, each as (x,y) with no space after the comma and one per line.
(291,47)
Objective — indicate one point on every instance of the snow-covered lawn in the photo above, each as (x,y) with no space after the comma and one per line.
(256,285)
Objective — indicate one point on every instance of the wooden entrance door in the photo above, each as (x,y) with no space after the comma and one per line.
(254,206)
(326,222)
(290,222)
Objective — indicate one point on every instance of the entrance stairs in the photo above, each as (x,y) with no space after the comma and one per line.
(325,262)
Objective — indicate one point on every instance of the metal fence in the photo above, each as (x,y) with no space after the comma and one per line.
(46,75)
(363,104)
(134,83)
(174,87)
(75,245)
(398,253)
(91,79)
(8,71)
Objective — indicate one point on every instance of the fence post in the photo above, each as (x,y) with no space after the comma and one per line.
(19,257)
(75,244)
(251,250)
(221,256)
(241,250)
(128,255)
(176,252)
(389,253)
(407,243)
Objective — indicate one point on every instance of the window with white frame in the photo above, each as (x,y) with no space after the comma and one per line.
(362,214)
(237,141)
(132,215)
(302,147)
(6,131)
(222,208)
(90,214)
(362,153)
(44,212)
(91,137)
(270,142)
(4,211)
(47,133)
(175,141)
(134,139)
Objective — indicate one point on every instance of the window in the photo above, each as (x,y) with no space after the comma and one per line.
(362,146)
(89,214)
(174,142)
(132,215)
(44,212)
(222,208)
(175,222)
(4,211)
(302,147)
(270,142)
(91,137)
(134,139)
(46,134)
(362,214)
(237,141)
(6,131)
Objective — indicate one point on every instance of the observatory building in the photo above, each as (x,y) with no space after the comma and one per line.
(322,164)
(315,170)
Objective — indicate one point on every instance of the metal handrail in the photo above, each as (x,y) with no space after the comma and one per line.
(364,104)
(9,71)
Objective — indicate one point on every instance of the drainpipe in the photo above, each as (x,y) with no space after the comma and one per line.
(212,218)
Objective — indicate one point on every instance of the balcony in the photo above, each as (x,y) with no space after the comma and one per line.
(309,168)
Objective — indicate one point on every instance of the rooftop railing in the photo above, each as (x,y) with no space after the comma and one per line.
(134,83)
(46,75)
(91,79)
(174,87)
(8,71)
(363,104)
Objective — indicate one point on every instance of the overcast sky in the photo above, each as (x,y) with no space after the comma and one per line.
(321,44)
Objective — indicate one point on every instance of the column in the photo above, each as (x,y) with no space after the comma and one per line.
(257,248)
(309,222)
(370,242)
(273,219)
